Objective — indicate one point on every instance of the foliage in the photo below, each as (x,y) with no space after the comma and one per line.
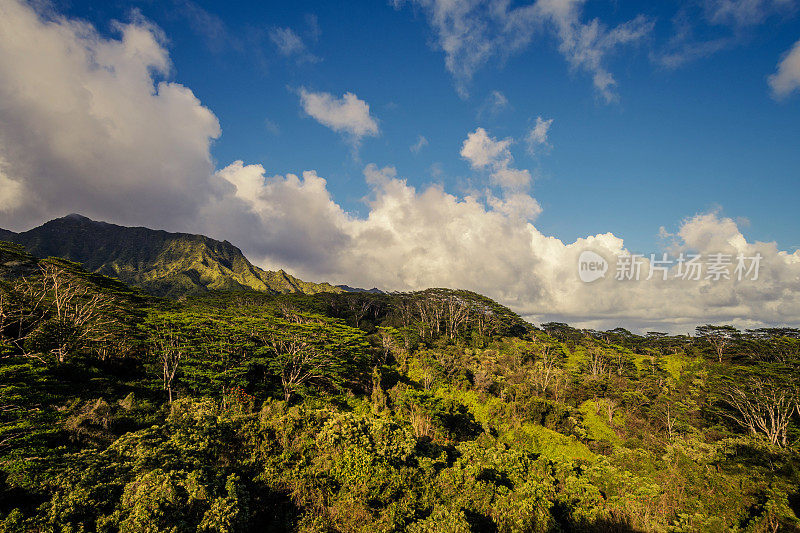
(436,410)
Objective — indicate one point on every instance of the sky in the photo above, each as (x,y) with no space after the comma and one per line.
(478,144)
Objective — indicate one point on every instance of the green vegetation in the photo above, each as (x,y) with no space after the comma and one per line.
(437,410)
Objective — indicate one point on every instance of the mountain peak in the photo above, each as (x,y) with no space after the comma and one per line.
(76,217)
(160,262)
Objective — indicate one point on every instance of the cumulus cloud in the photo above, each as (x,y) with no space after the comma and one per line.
(92,123)
(347,115)
(415,235)
(472,33)
(412,239)
(511,178)
(787,78)
(483,151)
(537,136)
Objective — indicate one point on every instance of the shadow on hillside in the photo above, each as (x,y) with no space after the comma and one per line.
(273,510)
(480,523)
(562,512)
(601,526)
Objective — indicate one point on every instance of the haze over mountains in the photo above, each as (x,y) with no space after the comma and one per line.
(160,262)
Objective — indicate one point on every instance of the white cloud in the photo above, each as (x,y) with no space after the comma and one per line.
(498,100)
(787,79)
(413,239)
(680,51)
(290,44)
(11,192)
(471,33)
(85,126)
(511,178)
(743,12)
(483,151)
(287,41)
(312,22)
(208,26)
(537,136)
(347,115)
(419,145)
(272,126)
(495,103)
(693,39)
(409,239)
(585,45)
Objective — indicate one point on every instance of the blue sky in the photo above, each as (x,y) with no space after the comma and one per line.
(677,141)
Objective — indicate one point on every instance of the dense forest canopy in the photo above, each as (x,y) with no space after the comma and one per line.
(437,410)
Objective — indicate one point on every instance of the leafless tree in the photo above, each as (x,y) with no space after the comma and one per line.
(669,419)
(88,314)
(619,359)
(609,406)
(421,422)
(298,361)
(360,306)
(486,321)
(457,314)
(22,310)
(545,369)
(388,343)
(406,309)
(762,406)
(62,307)
(597,362)
(170,351)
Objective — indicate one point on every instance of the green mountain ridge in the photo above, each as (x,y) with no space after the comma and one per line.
(157,261)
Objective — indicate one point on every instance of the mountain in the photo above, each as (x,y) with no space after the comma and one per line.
(348,288)
(160,262)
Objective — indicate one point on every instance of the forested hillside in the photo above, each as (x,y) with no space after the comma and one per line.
(430,411)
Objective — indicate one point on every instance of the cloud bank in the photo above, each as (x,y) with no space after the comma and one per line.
(91,125)
(414,238)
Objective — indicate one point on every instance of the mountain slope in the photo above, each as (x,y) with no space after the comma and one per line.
(160,262)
